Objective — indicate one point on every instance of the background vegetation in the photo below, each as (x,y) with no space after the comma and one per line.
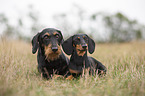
(125,76)
(101,26)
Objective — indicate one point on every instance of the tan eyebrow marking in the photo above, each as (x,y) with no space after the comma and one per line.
(47,34)
(54,33)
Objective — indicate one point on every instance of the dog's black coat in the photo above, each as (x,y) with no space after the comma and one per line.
(47,67)
(78,62)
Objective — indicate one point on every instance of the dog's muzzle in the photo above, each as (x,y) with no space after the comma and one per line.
(84,46)
(54,49)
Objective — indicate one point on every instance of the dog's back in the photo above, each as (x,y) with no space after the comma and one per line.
(97,65)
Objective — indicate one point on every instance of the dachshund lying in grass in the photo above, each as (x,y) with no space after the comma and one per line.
(77,46)
(51,60)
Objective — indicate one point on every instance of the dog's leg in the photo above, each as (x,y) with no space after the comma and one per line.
(41,75)
(46,72)
(57,76)
(69,77)
(40,70)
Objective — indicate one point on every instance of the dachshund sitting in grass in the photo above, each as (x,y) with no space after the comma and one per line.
(77,46)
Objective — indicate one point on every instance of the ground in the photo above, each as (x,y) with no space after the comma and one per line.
(125,63)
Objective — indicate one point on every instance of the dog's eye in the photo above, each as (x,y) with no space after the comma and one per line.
(46,37)
(78,38)
(57,36)
(85,38)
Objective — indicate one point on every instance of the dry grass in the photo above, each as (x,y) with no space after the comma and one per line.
(125,77)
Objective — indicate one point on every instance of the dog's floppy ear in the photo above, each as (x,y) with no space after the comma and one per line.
(61,41)
(91,45)
(35,43)
(67,46)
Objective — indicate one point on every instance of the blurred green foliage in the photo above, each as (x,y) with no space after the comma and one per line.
(101,26)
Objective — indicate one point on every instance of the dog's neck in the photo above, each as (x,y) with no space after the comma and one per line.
(78,60)
(78,63)
(77,57)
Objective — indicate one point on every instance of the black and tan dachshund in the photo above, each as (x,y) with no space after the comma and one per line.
(77,46)
(51,60)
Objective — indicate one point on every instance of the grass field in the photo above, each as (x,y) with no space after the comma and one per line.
(125,76)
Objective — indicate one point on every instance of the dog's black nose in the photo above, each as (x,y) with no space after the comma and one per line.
(54,49)
(84,46)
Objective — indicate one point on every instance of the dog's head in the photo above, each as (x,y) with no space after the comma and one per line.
(49,40)
(79,42)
